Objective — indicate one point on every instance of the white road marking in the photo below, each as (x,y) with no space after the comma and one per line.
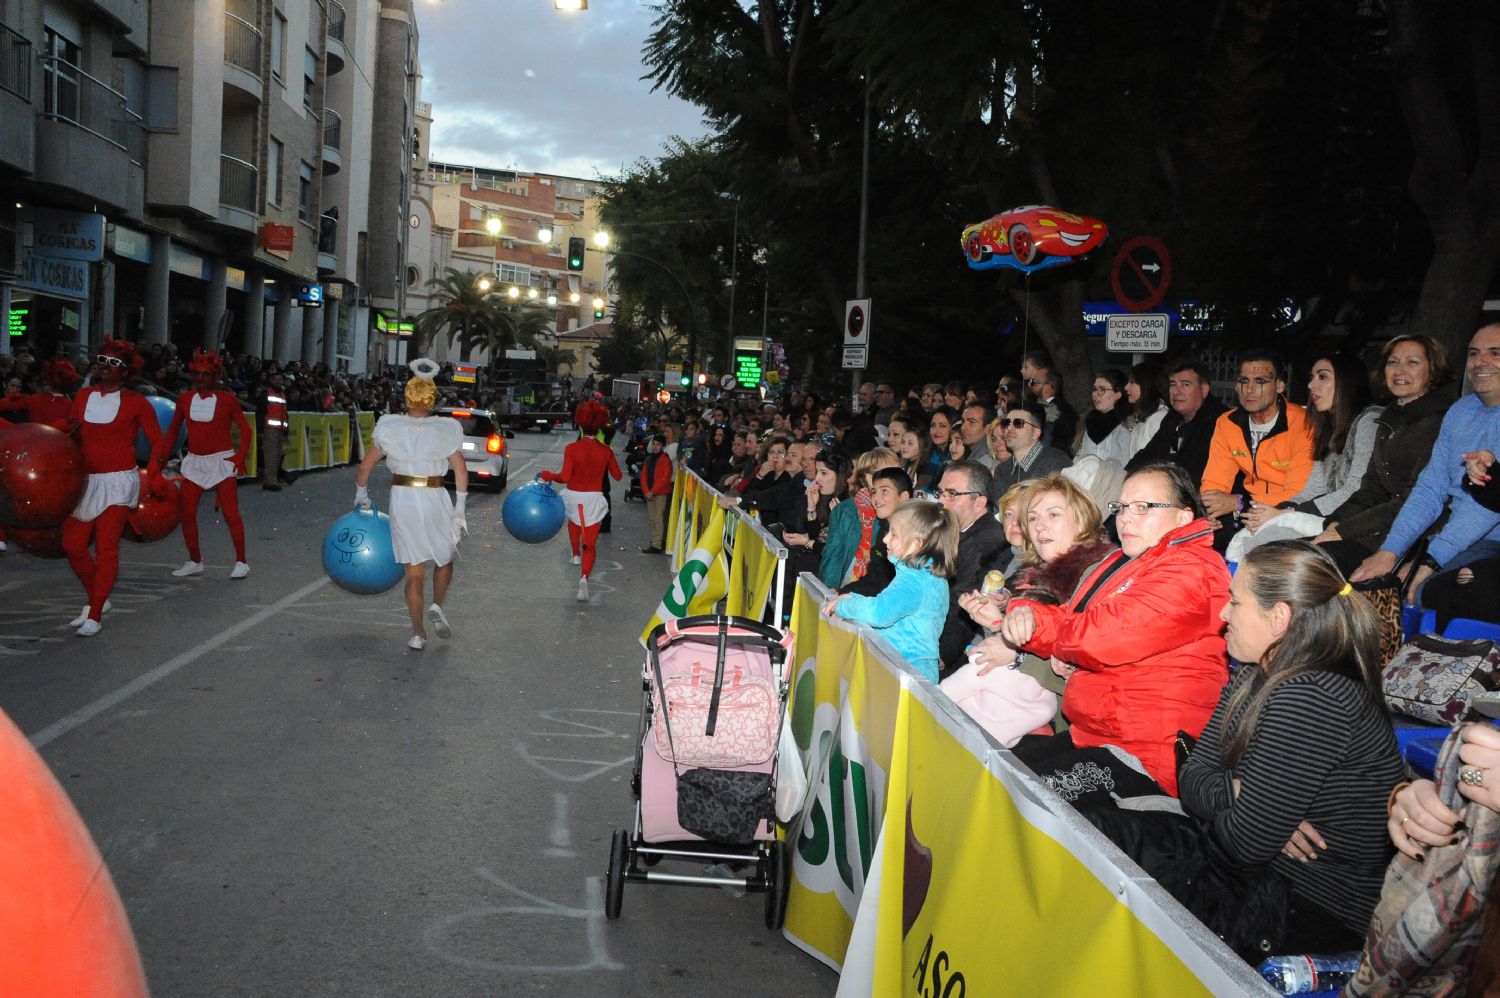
(87,713)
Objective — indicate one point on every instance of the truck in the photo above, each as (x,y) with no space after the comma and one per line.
(525,398)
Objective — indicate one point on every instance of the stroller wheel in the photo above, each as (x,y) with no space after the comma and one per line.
(778,874)
(619,857)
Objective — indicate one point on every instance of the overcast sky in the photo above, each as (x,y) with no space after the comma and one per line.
(516,84)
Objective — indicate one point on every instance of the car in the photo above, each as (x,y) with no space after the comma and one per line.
(484,448)
(1031,238)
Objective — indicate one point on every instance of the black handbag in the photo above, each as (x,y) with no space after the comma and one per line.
(723,805)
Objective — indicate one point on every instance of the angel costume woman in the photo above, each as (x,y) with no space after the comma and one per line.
(585,463)
(425,524)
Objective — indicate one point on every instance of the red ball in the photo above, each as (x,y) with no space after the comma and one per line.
(153,518)
(45,542)
(41,476)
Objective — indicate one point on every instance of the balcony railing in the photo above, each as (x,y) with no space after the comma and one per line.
(328,234)
(335,20)
(15,63)
(242,42)
(238,183)
(73,96)
(333,128)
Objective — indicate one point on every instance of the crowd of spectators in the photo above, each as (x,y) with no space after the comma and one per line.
(1089,615)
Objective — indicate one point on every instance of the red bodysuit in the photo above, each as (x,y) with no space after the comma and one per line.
(50,408)
(212,462)
(585,463)
(108,454)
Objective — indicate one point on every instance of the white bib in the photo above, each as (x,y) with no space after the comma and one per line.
(202,409)
(102,407)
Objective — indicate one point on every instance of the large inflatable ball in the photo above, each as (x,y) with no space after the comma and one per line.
(41,476)
(357,553)
(44,542)
(165,409)
(533,513)
(154,517)
(64,927)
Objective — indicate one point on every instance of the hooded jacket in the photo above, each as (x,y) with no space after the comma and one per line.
(1149,648)
(1272,473)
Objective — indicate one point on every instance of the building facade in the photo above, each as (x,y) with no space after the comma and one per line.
(201,173)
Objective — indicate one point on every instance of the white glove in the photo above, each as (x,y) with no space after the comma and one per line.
(460,522)
(362,497)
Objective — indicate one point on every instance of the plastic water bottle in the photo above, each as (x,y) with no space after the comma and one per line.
(1305,975)
(732,888)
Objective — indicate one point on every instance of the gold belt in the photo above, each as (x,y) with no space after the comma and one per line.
(418,481)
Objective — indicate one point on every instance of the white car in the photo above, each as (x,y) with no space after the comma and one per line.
(484,448)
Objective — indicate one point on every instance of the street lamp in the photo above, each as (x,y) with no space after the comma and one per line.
(492,224)
(574,298)
(551,298)
(570,5)
(544,234)
(598,302)
(601,239)
(531,294)
(513,292)
(484,284)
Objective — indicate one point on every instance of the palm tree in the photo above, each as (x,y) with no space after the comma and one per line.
(465,312)
(514,325)
(553,358)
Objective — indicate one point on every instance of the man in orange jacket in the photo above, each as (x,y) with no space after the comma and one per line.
(1261,451)
(656,485)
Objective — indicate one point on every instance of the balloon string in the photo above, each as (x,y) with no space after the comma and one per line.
(1026,325)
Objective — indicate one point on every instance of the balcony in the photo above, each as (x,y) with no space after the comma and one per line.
(328,241)
(333,135)
(88,138)
(242,49)
(17,120)
(337,56)
(239,191)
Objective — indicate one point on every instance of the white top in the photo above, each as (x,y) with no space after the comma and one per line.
(102,407)
(418,446)
(201,410)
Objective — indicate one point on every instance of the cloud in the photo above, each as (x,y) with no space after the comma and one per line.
(517,84)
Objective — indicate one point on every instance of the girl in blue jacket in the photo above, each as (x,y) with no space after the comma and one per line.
(922,542)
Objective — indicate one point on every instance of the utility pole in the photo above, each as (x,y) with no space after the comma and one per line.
(864,218)
(734,264)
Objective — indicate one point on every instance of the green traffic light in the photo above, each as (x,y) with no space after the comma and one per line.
(686,381)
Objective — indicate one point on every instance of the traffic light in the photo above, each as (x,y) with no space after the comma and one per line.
(575,252)
(702,379)
(687,379)
(598,314)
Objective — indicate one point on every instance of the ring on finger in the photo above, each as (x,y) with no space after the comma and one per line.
(1472,775)
(1404,821)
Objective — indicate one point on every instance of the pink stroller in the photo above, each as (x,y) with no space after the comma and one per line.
(705,769)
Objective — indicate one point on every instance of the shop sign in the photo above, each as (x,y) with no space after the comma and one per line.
(276,238)
(68,235)
(51,276)
(17,320)
(131,244)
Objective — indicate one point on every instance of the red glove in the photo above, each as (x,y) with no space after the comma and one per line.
(156,482)
(239,464)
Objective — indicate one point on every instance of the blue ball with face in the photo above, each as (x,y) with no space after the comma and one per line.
(358,556)
(533,513)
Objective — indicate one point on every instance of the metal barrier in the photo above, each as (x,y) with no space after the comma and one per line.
(88,103)
(328,234)
(736,520)
(15,62)
(242,43)
(238,183)
(335,20)
(333,128)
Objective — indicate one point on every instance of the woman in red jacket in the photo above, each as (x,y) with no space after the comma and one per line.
(1140,645)
(212,460)
(585,463)
(54,407)
(107,417)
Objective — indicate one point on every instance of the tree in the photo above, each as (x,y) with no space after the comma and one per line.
(513,325)
(465,313)
(552,358)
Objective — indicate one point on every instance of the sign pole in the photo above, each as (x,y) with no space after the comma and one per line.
(864,217)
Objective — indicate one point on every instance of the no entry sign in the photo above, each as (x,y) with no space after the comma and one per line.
(1142,274)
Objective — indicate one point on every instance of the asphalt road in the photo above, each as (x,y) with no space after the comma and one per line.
(293,803)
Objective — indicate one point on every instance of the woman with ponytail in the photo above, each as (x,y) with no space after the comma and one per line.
(1287,786)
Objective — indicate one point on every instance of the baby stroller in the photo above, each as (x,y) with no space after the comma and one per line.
(705,771)
(635,457)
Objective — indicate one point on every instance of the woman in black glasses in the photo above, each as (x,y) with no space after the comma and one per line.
(1143,642)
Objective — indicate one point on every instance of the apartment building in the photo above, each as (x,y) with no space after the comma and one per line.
(198,173)
(510,226)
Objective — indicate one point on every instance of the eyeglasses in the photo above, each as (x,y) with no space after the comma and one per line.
(1139,507)
(884,391)
(953,493)
(1101,389)
(1016,424)
(109,361)
(1033,382)
(1259,382)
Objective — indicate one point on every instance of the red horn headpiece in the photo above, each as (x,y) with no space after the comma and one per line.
(208,362)
(591,417)
(125,350)
(60,374)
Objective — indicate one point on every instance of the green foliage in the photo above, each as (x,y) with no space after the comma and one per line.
(476,318)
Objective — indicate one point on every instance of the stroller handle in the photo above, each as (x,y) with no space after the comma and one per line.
(712,623)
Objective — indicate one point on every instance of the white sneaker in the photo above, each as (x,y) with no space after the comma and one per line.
(89,628)
(417,642)
(189,568)
(583,589)
(575,560)
(240,570)
(439,621)
(84,615)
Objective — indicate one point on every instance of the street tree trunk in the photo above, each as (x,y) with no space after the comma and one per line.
(1456,189)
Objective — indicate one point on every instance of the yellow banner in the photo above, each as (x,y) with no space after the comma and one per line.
(252,456)
(752,572)
(700,583)
(366,421)
(317,441)
(681,483)
(338,440)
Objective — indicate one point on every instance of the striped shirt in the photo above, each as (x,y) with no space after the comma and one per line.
(1321,752)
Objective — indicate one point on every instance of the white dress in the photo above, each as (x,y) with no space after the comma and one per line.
(421,518)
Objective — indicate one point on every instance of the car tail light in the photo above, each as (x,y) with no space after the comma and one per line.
(495,444)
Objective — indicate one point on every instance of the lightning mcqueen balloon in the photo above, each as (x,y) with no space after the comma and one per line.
(1031,238)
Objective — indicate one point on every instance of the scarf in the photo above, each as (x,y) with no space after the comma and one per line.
(866,510)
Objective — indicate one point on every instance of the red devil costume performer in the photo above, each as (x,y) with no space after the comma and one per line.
(55,407)
(212,461)
(106,418)
(585,463)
